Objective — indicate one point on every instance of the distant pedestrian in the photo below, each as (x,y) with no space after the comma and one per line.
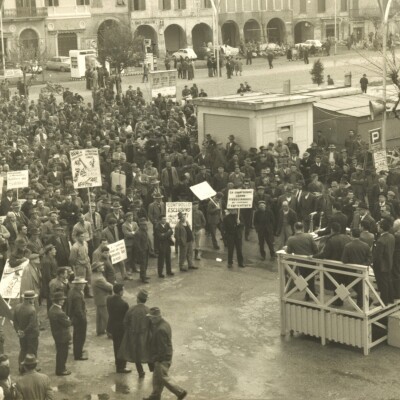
(330,80)
(289,54)
(249,57)
(305,56)
(161,353)
(270,58)
(238,66)
(146,70)
(364,83)
(190,70)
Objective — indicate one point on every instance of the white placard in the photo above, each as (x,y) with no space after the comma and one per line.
(10,284)
(240,198)
(17,179)
(163,82)
(85,165)
(380,161)
(118,179)
(203,190)
(117,251)
(173,208)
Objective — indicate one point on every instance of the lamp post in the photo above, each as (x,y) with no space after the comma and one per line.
(216,34)
(335,26)
(385,17)
(3,59)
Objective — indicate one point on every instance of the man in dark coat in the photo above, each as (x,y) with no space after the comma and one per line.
(164,232)
(383,261)
(61,244)
(49,271)
(264,223)
(27,326)
(161,354)
(134,346)
(142,248)
(76,310)
(233,229)
(117,308)
(302,244)
(59,324)
(357,252)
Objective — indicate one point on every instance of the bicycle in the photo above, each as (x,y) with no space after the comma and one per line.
(52,88)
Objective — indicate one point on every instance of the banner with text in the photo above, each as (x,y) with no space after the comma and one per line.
(10,284)
(240,198)
(380,161)
(173,208)
(117,251)
(17,179)
(203,190)
(85,165)
(163,82)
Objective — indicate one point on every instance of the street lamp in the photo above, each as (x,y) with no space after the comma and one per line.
(385,17)
(216,33)
(335,27)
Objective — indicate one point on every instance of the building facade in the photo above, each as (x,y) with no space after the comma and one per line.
(54,27)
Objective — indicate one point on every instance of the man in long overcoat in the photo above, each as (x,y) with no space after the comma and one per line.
(134,346)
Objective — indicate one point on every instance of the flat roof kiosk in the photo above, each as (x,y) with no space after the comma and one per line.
(80,59)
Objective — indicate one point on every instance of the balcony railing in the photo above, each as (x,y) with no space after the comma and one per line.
(69,11)
(26,12)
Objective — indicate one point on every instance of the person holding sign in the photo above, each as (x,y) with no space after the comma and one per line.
(233,229)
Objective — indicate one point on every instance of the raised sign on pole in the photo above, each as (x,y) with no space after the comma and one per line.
(375,139)
(203,190)
(380,161)
(10,284)
(117,251)
(85,165)
(17,179)
(173,208)
(240,198)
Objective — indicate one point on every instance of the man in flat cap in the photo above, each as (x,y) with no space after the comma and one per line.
(161,354)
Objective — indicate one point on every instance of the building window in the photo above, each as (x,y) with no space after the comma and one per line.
(180,4)
(83,2)
(343,5)
(278,4)
(121,3)
(355,5)
(321,6)
(53,3)
(205,4)
(165,4)
(139,5)
(270,5)
(303,6)
(263,5)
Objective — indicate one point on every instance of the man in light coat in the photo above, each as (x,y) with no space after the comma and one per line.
(184,238)
(101,290)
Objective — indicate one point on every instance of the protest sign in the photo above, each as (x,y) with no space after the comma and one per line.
(17,179)
(117,251)
(173,208)
(203,190)
(380,161)
(240,198)
(85,165)
(163,82)
(10,284)
(118,179)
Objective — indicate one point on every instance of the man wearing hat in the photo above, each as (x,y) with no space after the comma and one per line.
(358,183)
(141,248)
(33,384)
(116,213)
(96,223)
(137,332)
(48,226)
(129,228)
(26,325)
(117,308)
(233,229)
(21,218)
(49,271)
(169,180)
(101,289)
(264,223)
(161,354)
(61,243)
(31,278)
(156,209)
(60,324)
(199,224)
(60,283)
(391,198)
(184,239)
(164,233)
(382,208)
(76,310)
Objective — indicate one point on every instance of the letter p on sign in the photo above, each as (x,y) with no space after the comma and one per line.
(375,138)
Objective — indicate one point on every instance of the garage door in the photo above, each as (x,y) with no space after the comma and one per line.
(67,42)
(221,126)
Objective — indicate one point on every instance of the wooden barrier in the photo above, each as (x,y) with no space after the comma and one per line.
(363,326)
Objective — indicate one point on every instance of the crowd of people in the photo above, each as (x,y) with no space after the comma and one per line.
(59,237)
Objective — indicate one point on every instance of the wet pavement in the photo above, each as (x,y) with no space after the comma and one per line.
(227,345)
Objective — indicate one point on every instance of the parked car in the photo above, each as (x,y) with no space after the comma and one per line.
(229,51)
(188,52)
(309,43)
(59,64)
(204,52)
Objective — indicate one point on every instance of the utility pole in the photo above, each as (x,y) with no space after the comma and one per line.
(216,35)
